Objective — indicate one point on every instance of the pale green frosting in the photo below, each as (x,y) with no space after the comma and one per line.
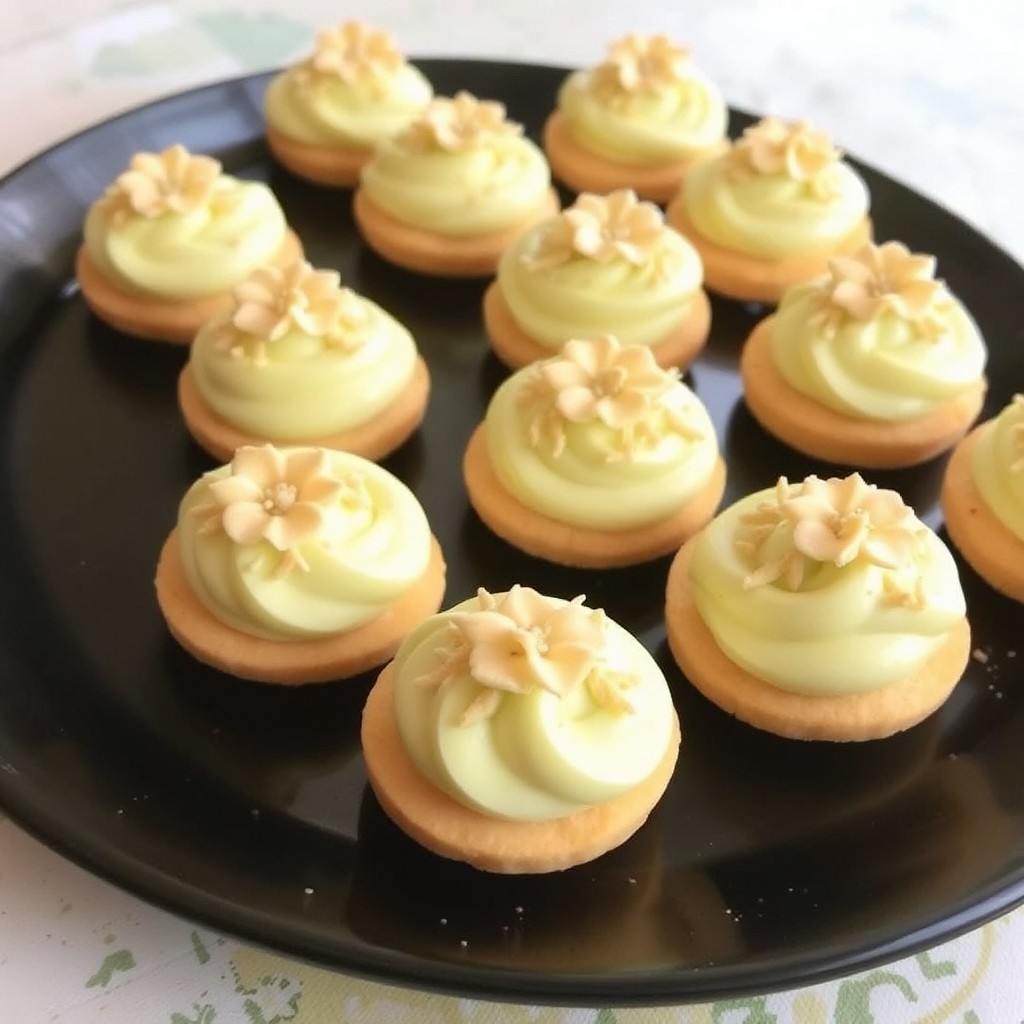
(329,111)
(882,368)
(190,255)
(304,387)
(640,303)
(493,185)
(588,477)
(677,121)
(841,631)
(539,755)
(997,465)
(365,555)
(772,215)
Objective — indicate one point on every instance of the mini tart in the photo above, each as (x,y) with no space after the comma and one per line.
(605,265)
(788,617)
(326,114)
(874,364)
(771,211)
(506,665)
(983,500)
(447,195)
(639,120)
(595,458)
(301,360)
(267,575)
(151,268)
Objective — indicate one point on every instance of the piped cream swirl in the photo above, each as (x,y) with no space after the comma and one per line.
(301,358)
(647,103)
(605,265)
(825,587)
(459,169)
(600,437)
(877,337)
(997,466)
(528,707)
(300,543)
(170,229)
(780,191)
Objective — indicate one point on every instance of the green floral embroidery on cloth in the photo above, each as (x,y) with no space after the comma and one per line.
(121,960)
(255,41)
(204,1015)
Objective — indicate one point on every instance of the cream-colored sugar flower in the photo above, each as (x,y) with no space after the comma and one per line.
(354,53)
(273,301)
(601,381)
(832,521)
(601,228)
(796,149)
(521,640)
(885,277)
(604,380)
(172,181)
(640,63)
(837,520)
(275,495)
(459,123)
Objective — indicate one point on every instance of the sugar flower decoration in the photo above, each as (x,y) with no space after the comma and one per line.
(172,181)
(796,149)
(880,278)
(281,497)
(833,521)
(603,381)
(355,53)
(600,228)
(637,63)
(521,640)
(273,301)
(453,125)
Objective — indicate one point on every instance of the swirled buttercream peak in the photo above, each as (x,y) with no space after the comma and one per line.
(520,640)
(837,521)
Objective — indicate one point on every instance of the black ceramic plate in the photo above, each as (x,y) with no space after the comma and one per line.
(768,864)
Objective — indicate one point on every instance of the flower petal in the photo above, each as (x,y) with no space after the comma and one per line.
(299,523)
(263,465)
(245,522)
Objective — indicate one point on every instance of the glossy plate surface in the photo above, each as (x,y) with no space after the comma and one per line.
(769,863)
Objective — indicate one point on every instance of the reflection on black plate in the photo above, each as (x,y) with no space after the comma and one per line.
(768,864)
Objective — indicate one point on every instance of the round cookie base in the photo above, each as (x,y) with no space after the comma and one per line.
(426,252)
(516,349)
(372,440)
(445,827)
(175,321)
(581,547)
(291,662)
(586,171)
(737,275)
(874,714)
(994,552)
(814,429)
(333,167)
